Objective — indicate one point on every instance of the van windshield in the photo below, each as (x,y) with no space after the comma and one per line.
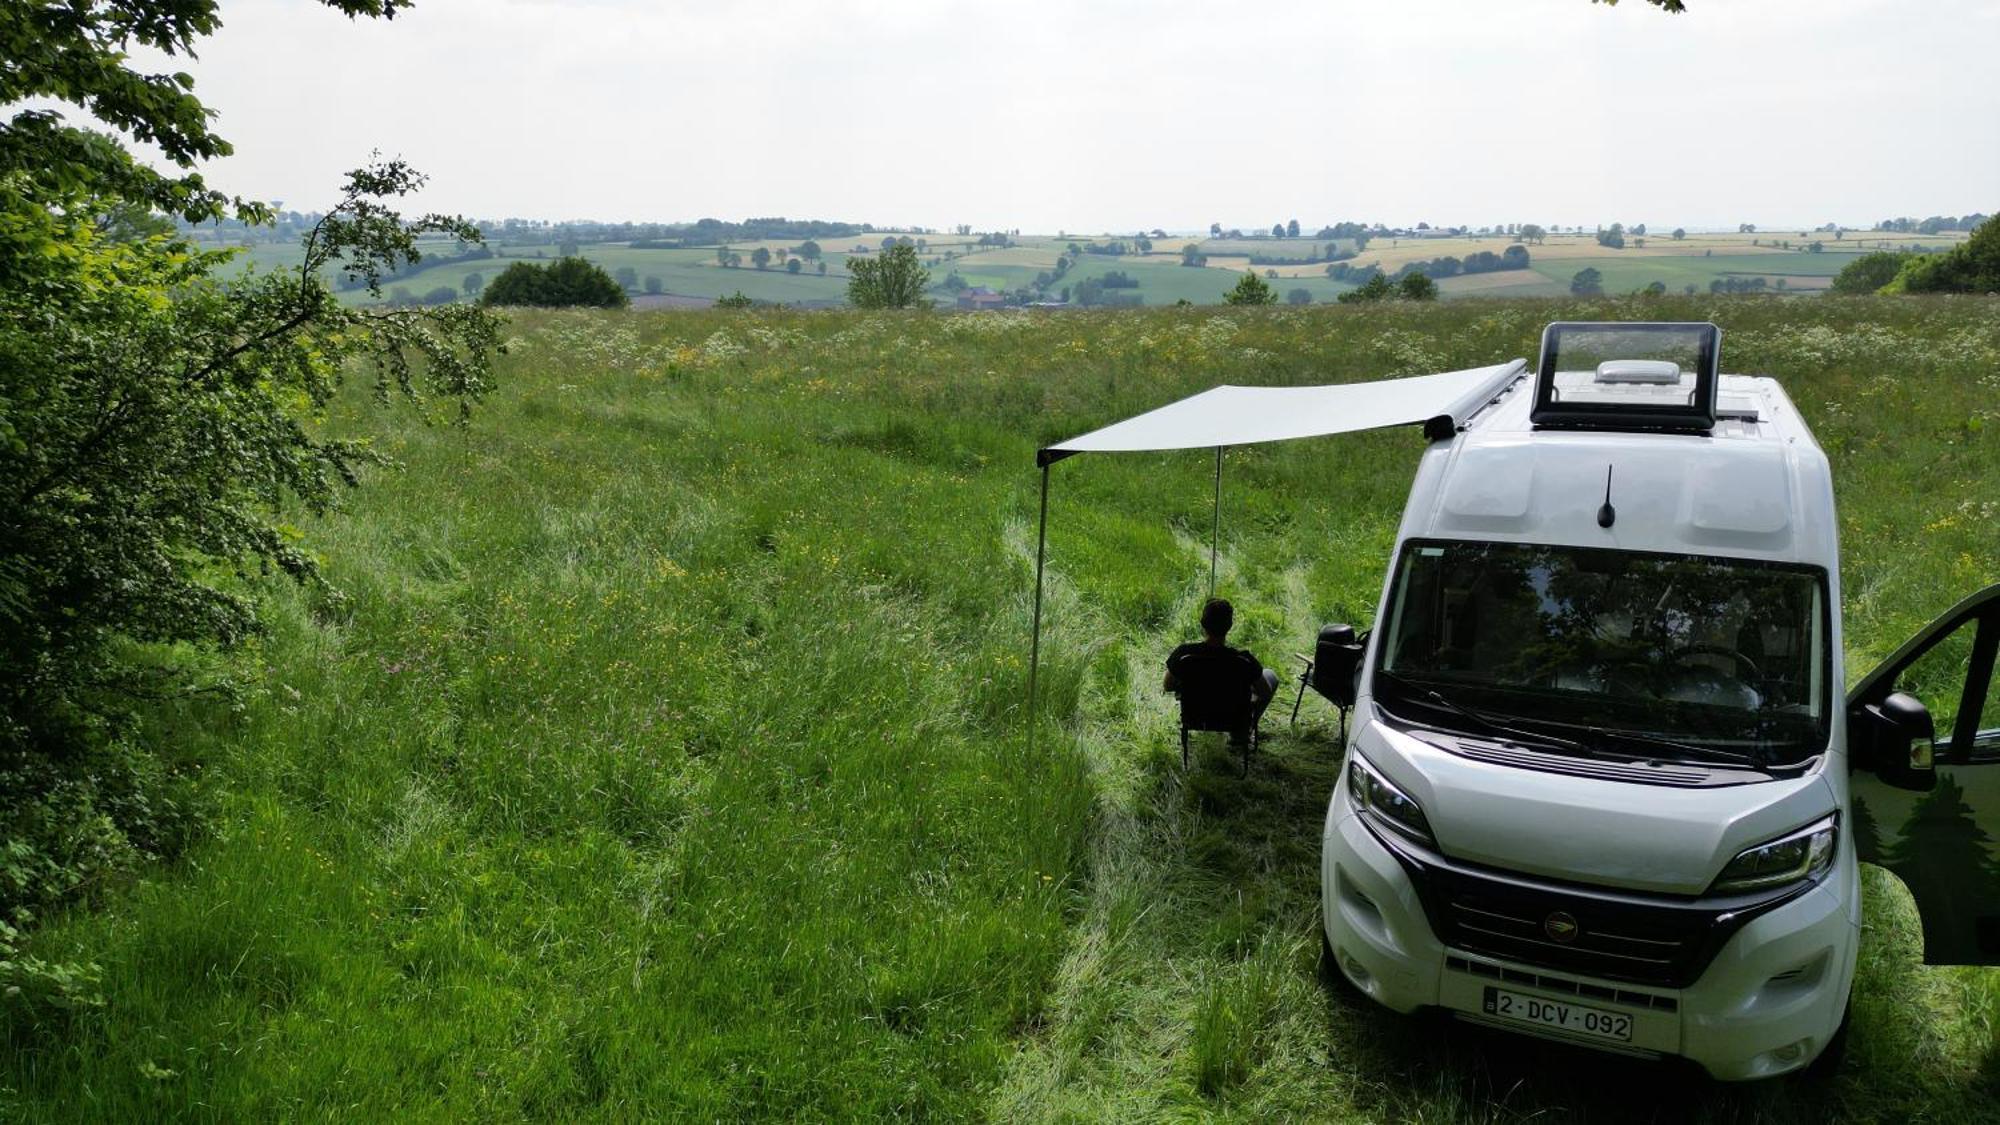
(1726,654)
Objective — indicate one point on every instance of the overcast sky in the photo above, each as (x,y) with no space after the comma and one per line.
(1090,115)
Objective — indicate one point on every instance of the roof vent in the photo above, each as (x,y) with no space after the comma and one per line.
(1628,376)
(1639,371)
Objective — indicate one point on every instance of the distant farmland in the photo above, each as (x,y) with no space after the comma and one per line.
(1783,260)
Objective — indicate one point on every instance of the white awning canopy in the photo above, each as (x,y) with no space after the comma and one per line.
(1226,416)
(1229,415)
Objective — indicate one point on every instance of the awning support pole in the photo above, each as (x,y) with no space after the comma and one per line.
(1035,646)
(1215,531)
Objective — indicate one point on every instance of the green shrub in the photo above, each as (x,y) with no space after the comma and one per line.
(1378,287)
(1417,287)
(159,424)
(564,283)
(1973,266)
(1251,290)
(1868,273)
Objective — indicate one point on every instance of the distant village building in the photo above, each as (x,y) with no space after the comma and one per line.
(981,297)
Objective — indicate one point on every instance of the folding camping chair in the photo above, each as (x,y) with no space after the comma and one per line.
(1331,670)
(1215,697)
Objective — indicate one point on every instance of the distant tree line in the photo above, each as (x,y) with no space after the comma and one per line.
(1485,261)
(283,226)
(1936,224)
(401,297)
(1738,285)
(1331,252)
(1138,245)
(1105,291)
(417,263)
(672,236)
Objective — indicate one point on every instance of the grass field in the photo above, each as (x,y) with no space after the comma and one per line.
(664,758)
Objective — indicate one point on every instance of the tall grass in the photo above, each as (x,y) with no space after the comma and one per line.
(664,755)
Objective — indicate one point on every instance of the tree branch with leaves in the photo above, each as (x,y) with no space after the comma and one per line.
(160,419)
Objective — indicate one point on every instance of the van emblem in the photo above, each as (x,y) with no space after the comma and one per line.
(1561,927)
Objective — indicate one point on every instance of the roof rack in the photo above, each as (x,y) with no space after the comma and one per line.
(1628,375)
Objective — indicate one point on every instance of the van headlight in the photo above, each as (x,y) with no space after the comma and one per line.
(1388,804)
(1805,854)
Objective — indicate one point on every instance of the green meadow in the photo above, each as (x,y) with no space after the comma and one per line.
(663,755)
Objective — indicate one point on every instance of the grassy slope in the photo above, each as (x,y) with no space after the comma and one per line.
(662,758)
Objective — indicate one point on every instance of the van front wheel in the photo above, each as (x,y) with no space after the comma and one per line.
(1330,977)
(1834,1056)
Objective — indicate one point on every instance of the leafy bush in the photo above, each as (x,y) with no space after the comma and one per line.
(1971,267)
(34,992)
(1377,288)
(1869,272)
(1251,290)
(566,283)
(155,417)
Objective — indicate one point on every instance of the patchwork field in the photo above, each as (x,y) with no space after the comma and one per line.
(695,273)
(665,759)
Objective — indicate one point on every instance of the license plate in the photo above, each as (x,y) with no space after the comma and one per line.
(1559,1014)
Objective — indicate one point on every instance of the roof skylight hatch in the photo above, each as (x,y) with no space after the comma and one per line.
(1628,376)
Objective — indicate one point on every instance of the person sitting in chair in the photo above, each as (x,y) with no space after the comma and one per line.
(1211,664)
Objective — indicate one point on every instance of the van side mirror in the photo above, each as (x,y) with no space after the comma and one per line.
(1894,739)
(1337,664)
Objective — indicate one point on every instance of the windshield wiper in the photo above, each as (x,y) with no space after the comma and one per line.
(1630,740)
(1492,724)
(1687,749)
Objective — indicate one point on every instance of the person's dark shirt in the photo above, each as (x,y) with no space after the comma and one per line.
(1240,663)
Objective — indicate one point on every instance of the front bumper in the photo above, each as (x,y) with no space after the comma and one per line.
(1768,1001)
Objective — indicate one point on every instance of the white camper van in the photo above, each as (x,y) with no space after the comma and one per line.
(1606,782)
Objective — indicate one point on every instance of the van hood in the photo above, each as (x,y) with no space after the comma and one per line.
(1621,834)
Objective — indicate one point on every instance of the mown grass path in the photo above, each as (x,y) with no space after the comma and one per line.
(664,758)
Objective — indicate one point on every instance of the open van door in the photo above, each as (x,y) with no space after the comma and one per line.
(1924,744)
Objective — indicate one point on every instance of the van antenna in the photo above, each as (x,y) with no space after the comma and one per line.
(1606,514)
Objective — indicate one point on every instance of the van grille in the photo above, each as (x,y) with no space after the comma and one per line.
(1662,941)
(1614,941)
